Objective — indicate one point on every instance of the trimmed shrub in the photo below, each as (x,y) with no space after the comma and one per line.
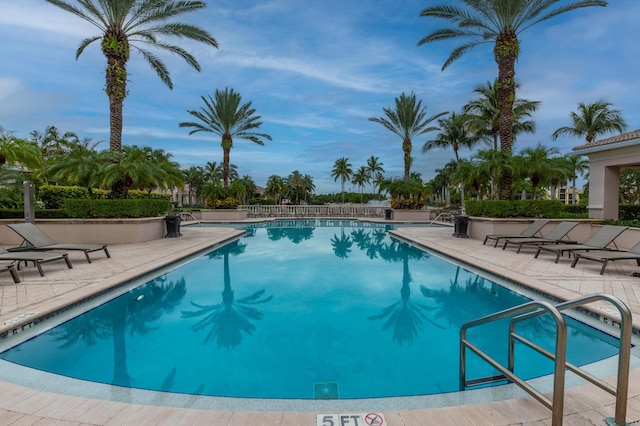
(53,196)
(629,212)
(406,203)
(40,214)
(87,208)
(523,208)
(227,203)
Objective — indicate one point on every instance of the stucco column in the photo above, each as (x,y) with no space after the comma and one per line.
(604,190)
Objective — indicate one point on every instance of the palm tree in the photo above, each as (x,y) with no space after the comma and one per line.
(486,113)
(575,165)
(76,166)
(537,165)
(213,171)
(493,161)
(361,178)
(194,176)
(455,132)
(408,121)
(500,21)
(593,120)
(226,118)
(137,24)
(275,187)
(374,168)
(142,168)
(342,169)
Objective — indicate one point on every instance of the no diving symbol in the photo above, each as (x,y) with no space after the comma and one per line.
(374,419)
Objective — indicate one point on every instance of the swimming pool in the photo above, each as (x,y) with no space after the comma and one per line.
(385,313)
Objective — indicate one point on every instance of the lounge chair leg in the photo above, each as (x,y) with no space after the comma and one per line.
(537,253)
(14,274)
(37,263)
(575,260)
(519,248)
(106,252)
(66,259)
(558,256)
(86,254)
(604,265)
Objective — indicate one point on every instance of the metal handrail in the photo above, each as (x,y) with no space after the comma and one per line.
(556,403)
(438,216)
(621,390)
(190,216)
(538,308)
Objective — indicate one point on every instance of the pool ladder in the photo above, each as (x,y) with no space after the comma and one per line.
(538,308)
(188,217)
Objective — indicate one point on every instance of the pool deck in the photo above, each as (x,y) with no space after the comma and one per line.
(21,405)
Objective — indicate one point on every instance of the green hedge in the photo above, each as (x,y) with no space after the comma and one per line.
(523,208)
(406,203)
(81,208)
(629,212)
(53,196)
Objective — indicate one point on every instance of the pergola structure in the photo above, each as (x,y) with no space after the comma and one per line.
(606,158)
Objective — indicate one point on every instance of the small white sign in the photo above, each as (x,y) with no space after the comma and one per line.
(351,419)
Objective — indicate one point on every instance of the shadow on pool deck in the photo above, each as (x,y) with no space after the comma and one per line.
(60,287)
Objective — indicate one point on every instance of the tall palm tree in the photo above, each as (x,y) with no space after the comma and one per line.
(455,132)
(137,24)
(408,121)
(342,170)
(593,120)
(500,22)
(225,117)
(576,165)
(361,178)
(374,167)
(486,113)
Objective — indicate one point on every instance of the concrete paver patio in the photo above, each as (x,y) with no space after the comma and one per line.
(20,303)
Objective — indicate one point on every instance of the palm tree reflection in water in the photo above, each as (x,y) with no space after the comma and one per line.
(136,313)
(227,321)
(405,316)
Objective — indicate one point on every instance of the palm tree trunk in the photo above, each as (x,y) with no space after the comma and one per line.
(227,142)
(406,149)
(506,52)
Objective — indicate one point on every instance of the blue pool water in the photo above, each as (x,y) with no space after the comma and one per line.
(299,311)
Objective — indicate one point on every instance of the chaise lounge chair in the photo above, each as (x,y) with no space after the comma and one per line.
(10,268)
(555,236)
(38,258)
(36,239)
(529,231)
(605,256)
(598,241)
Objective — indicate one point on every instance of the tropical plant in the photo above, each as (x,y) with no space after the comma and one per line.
(298,186)
(226,118)
(342,170)
(194,176)
(143,168)
(593,120)
(575,166)
(76,166)
(408,120)
(536,164)
(455,132)
(18,152)
(486,113)
(360,179)
(137,24)
(374,168)
(274,188)
(501,22)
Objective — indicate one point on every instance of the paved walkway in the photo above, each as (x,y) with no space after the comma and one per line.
(21,303)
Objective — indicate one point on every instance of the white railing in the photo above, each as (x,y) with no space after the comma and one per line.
(343,210)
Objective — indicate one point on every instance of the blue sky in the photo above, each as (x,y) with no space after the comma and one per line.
(315,71)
